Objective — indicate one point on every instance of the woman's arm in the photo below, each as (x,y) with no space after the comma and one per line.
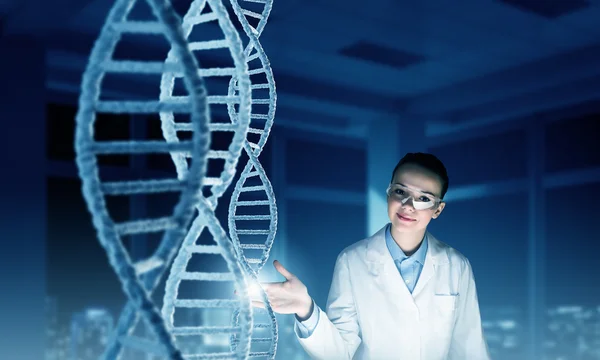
(330,335)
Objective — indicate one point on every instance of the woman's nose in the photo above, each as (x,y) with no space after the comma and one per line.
(408,203)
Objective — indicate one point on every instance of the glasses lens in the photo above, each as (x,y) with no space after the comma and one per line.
(421,201)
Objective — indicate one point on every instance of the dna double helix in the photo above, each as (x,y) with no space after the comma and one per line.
(140,279)
(215,307)
(252,209)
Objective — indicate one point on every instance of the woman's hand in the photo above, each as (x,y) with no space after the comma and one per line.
(288,297)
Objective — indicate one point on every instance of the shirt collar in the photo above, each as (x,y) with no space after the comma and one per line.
(398,254)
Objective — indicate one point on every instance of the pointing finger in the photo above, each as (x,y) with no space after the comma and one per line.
(282,270)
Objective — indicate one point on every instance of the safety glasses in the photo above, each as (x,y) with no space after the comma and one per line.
(420,200)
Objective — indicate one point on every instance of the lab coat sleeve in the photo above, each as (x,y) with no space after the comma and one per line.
(337,334)
(468,341)
(305,328)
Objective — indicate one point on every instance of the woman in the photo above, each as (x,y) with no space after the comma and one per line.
(399,294)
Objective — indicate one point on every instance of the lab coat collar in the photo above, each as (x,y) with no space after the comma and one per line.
(378,253)
(381,264)
(398,254)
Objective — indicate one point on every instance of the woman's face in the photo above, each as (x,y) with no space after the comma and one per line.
(404,217)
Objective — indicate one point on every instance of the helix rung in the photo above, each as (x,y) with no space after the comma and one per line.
(200,19)
(256,71)
(140,67)
(256,131)
(211,127)
(206,303)
(217,72)
(143,345)
(213,154)
(259,116)
(204,276)
(252,217)
(251,174)
(142,186)
(218,154)
(253,188)
(260,86)
(212,356)
(140,147)
(211,99)
(209,45)
(253,261)
(261,340)
(252,14)
(261,101)
(222,127)
(253,203)
(253,56)
(143,107)
(142,27)
(253,246)
(217,99)
(211,181)
(183,126)
(261,326)
(256,1)
(253,145)
(204,249)
(253,232)
(145,226)
(260,354)
(213,72)
(147,265)
(205,330)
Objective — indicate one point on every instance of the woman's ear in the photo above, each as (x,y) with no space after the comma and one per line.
(439,210)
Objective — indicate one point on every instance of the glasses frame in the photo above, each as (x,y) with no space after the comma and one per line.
(437,201)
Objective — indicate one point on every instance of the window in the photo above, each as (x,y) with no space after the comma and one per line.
(492,234)
(573,143)
(78,271)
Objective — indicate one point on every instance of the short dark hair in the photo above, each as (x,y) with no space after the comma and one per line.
(429,162)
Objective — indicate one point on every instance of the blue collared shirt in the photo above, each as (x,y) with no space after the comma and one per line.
(409,267)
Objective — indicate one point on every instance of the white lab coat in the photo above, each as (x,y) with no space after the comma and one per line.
(371,315)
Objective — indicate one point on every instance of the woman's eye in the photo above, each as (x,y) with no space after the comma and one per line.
(424,199)
(399,192)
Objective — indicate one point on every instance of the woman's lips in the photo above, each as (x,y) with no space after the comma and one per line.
(404,218)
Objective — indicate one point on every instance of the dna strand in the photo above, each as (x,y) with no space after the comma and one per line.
(199,20)
(253,191)
(139,279)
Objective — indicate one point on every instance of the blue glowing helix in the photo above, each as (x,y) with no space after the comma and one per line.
(252,210)
(139,280)
(198,21)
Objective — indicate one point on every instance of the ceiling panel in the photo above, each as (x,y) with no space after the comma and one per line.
(336,69)
(550,99)
(548,9)
(496,16)
(414,20)
(378,54)
(586,20)
(531,77)
(470,52)
(313,25)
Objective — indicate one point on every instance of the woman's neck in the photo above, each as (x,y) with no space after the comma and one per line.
(409,242)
